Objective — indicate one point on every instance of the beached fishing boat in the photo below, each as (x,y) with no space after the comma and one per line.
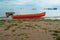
(24,16)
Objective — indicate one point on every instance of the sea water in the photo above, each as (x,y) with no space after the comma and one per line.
(50,14)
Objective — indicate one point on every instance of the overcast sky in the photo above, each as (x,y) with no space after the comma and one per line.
(29,6)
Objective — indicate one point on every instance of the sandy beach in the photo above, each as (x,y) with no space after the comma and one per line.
(30,29)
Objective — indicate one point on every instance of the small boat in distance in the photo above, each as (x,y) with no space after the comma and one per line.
(24,16)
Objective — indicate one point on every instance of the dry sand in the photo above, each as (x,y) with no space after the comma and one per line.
(28,29)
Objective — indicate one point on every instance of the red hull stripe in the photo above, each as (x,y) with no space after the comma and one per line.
(29,16)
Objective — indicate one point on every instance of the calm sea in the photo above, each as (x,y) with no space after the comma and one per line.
(49,13)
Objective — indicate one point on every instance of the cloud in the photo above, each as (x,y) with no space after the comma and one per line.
(54,2)
(39,3)
(21,2)
(16,2)
(48,3)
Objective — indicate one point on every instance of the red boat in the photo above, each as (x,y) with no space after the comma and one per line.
(36,15)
